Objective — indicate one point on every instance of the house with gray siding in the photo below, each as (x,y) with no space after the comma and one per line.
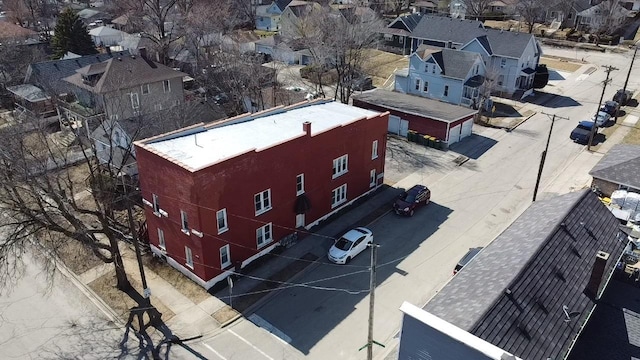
(510,58)
(453,76)
(619,169)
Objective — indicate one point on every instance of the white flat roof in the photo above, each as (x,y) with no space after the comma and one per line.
(199,149)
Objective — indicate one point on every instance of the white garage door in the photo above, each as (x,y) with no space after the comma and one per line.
(398,126)
(466,128)
(454,134)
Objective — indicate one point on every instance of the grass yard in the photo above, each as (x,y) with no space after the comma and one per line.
(559,64)
(381,65)
(633,137)
(183,284)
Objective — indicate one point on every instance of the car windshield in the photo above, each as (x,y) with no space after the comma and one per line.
(408,197)
(343,244)
(584,126)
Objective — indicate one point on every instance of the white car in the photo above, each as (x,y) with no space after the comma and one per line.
(602,118)
(349,245)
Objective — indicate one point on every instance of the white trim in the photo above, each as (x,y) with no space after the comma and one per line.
(184,222)
(197,233)
(333,211)
(228,251)
(340,166)
(266,240)
(163,213)
(301,191)
(188,257)
(167,88)
(162,244)
(374,150)
(147,202)
(263,209)
(455,332)
(372,178)
(225,228)
(340,190)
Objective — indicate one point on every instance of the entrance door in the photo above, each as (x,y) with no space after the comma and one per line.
(299,220)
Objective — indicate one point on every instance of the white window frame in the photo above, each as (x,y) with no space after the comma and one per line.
(188,257)
(425,87)
(265,233)
(145,89)
(340,166)
(225,251)
(339,196)
(135,104)
(372,178)
(166,85)
(156,204)
(299,184)
(374,150)
(503,62)
(224,223)
(162,244)
(262,201)
(184,222)
(418,84)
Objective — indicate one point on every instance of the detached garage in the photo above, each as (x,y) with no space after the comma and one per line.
(449,123)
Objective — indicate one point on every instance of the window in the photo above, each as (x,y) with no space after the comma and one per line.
(340,166)
(433,69)
(477,68)
(156,203)
(185,222)
(221,216)
(300,184)
(425,86)
(263,235)
(145,89)
(157,107)
(225,257)
(417,84)
(372,178)
(446,90)
(338,195)
(188,257)
(503,62)
(161,244)
(374,150)
(135,101)
(262,201)
(500,79)
(426,68)
(166,84)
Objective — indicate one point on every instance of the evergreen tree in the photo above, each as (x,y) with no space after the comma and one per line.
(71,34)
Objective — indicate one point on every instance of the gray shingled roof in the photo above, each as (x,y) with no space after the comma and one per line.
(409,21)
(412,104)
(545,259)
(454,63)
(621,165)
(125,72)
(503,43)
(47,74)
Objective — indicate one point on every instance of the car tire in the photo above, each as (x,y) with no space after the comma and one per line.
(347,260)
(411,212)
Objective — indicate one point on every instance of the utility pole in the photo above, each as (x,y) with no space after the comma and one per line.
(543,157)
(626,81)
(604,87)
(372,289)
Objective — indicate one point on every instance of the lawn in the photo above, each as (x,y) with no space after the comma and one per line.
(633,137)
(381,65)
(183,284)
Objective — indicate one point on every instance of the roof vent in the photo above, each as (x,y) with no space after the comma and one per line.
(559,274)
(541,306)
(119,58)
(576,251)
(133,57)
(569,315)
(524,329)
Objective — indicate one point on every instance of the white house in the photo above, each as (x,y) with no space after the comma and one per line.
(511,58)
(106,36)
(453,76)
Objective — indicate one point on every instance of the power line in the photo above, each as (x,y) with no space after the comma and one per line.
(593,130)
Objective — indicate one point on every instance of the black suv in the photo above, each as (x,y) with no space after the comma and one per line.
(622,97)
(409,200)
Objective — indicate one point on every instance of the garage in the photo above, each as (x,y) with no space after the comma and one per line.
(447,122)
(398,126)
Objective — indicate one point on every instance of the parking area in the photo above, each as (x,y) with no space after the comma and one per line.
(405,158)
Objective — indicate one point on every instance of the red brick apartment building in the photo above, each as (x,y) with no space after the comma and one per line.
(225,193)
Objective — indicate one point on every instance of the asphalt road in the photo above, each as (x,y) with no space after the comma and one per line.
(471,205)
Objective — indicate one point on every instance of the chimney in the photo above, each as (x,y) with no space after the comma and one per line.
(143,52)
(306,126)
(595,281)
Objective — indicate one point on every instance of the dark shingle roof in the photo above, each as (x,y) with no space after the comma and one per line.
(613,331)
(621,165)
(123,73)
(407,22)
(282,4)
(47,74)
(412,104)
(503,43)
(545,259)
(485,43)
(454,63)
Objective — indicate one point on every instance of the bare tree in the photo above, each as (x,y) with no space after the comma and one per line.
(476,8)
(204,32)
(245,12)
(15,61)
(532,11)
(608,18)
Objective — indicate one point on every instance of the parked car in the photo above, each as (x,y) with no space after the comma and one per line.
(602,118)
(622,97)
(409,200)
(352,243)
(581,133)
(610,107)
(466,259)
